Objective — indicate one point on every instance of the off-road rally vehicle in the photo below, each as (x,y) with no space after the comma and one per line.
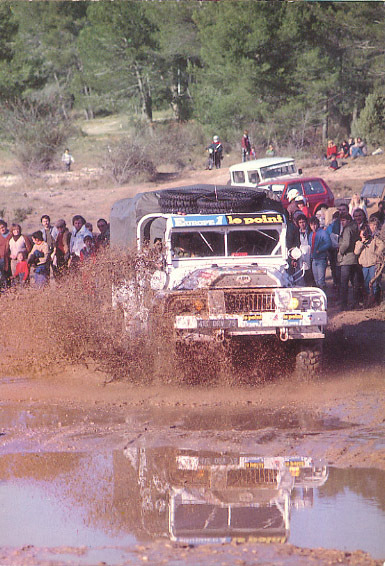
(222,273)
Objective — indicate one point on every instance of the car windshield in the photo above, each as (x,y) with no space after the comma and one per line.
(373,190)
(222,243)
(279,170)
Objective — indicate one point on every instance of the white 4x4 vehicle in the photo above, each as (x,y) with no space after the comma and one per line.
(223,274)
(252,173)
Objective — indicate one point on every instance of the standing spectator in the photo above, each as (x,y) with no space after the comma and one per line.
(304,209)
(270,151)
(79,231)
(357,202)
(293,206)
(17,243)
(21,275)
(49,231)
(347,260)
(334,230)
(67,159)
(215,150)
(39,258)
(103,239)
(5,236)
(246,146)
(380,214)
(360,217)
(61,253)
(320,243)
(368,248)
(253,154)
(304,232)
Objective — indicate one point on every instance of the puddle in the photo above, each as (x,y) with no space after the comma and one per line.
(245,420)
(119,498)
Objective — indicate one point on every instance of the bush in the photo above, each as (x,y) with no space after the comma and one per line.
(127,159)
(20,214)
(37,131)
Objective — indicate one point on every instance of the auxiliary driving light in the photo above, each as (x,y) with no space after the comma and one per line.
(198,304)
(293,303)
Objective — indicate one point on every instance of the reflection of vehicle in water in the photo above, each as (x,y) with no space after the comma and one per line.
(198,497)
(225,273)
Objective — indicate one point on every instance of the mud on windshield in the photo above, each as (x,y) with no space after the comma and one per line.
(221,243)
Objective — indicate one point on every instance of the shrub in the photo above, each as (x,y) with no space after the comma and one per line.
(371,122)
(20,214)
(37,130)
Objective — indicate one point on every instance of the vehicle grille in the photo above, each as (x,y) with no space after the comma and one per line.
(250,301)
(251,476)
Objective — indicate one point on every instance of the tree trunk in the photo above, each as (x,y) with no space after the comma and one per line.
(145,95)
(325,124)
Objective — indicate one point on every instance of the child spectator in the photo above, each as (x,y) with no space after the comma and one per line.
(39,257)
(89,250)
(21,274)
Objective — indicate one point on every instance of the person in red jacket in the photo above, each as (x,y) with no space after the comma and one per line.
(21,274)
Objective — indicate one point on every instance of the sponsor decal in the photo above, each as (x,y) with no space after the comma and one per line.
(201,220)
(243,279)
(259,465)
(241,220)
(292,316)
(252,317)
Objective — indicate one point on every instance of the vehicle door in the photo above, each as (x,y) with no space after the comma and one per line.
(316,194)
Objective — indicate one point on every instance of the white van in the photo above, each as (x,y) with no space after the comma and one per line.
(252,173)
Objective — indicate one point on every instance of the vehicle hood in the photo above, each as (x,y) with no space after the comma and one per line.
(232,277)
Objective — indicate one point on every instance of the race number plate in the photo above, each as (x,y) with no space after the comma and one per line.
(218,323)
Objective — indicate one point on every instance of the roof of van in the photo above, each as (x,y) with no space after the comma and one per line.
(375,181)
(258,163)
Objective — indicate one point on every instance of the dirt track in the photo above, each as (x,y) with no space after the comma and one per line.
(77,409)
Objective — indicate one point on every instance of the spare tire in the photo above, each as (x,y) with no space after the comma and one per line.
(228,203)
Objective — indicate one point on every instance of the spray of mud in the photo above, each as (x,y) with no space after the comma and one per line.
(73,321)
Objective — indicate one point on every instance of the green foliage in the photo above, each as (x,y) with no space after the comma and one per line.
(284,70)
(371,122)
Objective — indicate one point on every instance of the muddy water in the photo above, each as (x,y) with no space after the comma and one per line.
(190,477)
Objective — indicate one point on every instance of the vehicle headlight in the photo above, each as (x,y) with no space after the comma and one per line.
(158,280)
(283,298)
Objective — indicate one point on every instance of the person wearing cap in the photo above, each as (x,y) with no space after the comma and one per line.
(293,206)
(215,150)
(304,209)
(61,253)
(246,146)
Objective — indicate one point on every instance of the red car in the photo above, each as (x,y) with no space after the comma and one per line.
(316,191)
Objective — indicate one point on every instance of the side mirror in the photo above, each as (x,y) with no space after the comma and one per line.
(300,171)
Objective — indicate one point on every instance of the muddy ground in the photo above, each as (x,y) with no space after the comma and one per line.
(79,408)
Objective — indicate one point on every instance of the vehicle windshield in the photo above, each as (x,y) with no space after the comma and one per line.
(225,243)
(279,170)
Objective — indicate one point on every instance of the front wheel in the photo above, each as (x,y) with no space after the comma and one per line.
(309,359)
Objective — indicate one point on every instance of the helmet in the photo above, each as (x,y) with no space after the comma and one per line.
(292,194)
(216,139)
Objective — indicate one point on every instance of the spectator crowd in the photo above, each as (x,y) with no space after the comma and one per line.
(53,250)
(352,245)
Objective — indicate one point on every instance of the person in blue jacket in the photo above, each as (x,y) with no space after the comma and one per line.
(320,243)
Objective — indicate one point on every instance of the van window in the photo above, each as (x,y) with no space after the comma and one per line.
(253,176)
(238,176)
(313,188)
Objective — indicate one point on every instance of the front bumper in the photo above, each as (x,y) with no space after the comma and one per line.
(297,324)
